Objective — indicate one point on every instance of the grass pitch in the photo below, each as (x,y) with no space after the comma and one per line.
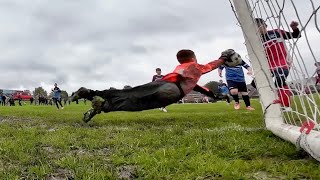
(191,141)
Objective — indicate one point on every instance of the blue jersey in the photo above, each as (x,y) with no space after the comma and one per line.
(56,93)
(223,88)
(235,73)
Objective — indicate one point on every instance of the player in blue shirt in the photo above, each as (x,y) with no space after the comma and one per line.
(57,96)
(237,84)
(224,90)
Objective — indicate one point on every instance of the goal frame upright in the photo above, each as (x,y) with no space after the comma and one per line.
(302,137)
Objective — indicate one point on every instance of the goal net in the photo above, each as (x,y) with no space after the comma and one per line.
(282,38)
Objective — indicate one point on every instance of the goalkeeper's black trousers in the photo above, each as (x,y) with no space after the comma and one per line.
(153,95)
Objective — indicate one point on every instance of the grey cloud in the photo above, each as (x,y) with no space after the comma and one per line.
(29,66)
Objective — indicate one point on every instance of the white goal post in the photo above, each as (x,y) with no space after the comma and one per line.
(300,125)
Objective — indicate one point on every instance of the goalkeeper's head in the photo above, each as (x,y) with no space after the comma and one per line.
(185,56)
(262,26)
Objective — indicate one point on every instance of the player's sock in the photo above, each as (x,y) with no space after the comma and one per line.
(236,98)
(246,100)
(98,103)
(284,95)
(228,99)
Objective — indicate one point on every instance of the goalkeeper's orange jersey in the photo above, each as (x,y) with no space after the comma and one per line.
(188,74)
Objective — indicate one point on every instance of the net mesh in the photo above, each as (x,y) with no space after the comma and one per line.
(292,55)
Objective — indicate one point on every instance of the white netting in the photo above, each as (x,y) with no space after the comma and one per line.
(303,51)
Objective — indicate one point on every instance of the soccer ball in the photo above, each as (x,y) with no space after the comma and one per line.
(234,60)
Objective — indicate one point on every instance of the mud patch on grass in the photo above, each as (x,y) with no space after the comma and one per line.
(74,150)
(127,172)
(212,176)
(43,125)
(103,152)
(81,151)
(52,129)
(263,175)
(49,149)
(60,174)
(4,119)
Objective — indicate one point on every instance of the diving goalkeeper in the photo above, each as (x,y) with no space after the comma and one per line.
(169,90)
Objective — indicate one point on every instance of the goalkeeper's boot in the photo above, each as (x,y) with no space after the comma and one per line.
(97,104)
(87,116)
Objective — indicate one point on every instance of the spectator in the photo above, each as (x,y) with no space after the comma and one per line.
(57,96)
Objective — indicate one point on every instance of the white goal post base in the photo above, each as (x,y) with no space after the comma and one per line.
(273,116)
(308,142)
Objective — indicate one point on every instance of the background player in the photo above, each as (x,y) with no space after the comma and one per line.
(224,90)
(57,96)
(237,83)
(157,77)
(278,59)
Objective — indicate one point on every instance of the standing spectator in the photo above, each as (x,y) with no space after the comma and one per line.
(57,96)
(19,100)
(3,100)
(11,101)
(31,100)
(40,99)
(205,99)
(317,64)
(157,77)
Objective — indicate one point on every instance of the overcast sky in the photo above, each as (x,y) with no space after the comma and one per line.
(108,43)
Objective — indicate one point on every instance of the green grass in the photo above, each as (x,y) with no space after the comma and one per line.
(297,103)
(191,141)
